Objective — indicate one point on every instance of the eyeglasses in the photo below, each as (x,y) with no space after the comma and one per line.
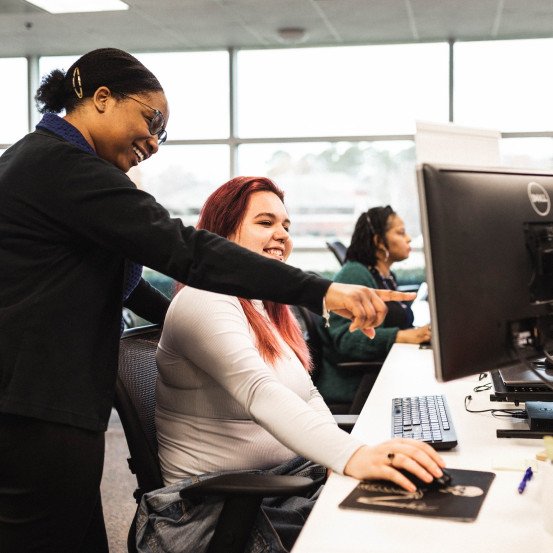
(156,123)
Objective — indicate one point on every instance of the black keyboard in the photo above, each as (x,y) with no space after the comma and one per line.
(425,418)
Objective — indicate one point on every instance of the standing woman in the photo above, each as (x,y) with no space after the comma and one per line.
(74,233)
(379,240)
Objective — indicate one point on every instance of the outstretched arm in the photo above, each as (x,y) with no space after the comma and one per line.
(364,306)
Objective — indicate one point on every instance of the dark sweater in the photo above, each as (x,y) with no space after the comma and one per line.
(68,220)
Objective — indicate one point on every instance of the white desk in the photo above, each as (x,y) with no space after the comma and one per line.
(508,521)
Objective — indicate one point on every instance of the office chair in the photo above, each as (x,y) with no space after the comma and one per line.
(338,249)
(135,403)
(310,322)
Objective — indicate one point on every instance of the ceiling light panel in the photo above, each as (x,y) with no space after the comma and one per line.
(79,6)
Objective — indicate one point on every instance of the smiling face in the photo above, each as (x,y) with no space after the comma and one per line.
(264,227)
(398,240)
(122,134)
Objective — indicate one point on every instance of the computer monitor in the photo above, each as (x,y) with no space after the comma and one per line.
(488,238)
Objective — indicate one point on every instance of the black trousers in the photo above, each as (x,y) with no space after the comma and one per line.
(50,488)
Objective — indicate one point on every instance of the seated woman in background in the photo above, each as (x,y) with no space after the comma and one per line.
(234,390)
(378,241)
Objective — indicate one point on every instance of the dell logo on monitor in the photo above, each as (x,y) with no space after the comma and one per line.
(539,198)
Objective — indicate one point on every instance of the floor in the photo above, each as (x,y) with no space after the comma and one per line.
(118,485)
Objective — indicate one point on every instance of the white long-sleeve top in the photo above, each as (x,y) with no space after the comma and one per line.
(220,406)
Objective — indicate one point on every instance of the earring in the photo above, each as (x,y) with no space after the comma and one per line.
(76,80)
(386,254)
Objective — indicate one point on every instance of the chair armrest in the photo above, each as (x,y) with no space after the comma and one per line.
(408,287)
(243,495)
(265,485)
(346,422)
(360,366)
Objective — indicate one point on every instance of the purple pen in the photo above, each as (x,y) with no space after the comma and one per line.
(527,477)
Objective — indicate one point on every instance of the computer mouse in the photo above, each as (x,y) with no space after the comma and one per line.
(436,484)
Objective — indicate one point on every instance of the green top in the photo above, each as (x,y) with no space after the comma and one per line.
(339,344)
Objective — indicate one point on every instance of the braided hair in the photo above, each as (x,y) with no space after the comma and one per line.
(373,223)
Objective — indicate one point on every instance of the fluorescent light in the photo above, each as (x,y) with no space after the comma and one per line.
(79,6)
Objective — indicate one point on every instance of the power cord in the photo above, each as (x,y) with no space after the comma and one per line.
(482,387)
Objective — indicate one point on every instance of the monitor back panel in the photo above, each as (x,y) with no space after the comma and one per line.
(478,267)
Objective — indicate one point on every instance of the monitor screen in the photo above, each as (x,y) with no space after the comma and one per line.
(488,236)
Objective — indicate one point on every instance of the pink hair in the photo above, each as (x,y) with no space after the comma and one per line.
(222,214)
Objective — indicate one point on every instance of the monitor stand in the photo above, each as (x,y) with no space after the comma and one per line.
(538,402)
(540,422)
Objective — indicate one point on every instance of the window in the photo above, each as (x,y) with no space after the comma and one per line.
(182,177)
(292,105)
(328,185)
(197,88)
(345,91)
(47,64)
(505,85)
(527,152)
(13,96)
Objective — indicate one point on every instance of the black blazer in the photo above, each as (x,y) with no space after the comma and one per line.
(68,221)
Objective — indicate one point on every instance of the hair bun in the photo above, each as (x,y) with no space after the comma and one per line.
(51,94)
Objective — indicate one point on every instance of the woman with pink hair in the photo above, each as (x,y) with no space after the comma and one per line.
(234,390)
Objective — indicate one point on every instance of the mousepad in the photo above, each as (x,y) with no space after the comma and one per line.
(460,500)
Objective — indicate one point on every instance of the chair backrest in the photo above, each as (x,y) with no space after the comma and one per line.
(309,322)
(338,249)
(135,402)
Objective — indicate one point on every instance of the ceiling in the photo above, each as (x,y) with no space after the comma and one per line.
(175,25)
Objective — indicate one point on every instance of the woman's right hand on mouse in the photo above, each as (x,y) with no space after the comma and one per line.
(382,461)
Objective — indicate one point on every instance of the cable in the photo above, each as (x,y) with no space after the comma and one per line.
(498,413)
(482,387)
